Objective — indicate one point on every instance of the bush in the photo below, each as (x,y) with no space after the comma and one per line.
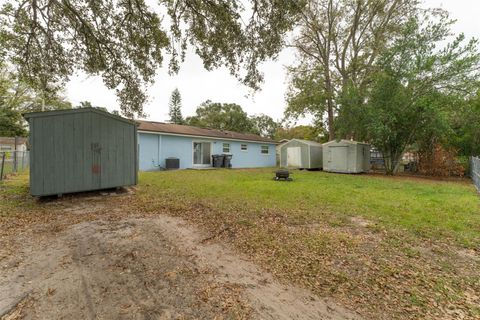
(440,162)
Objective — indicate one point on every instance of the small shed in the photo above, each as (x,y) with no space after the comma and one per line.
(80,150)
(301,154)
(346,156)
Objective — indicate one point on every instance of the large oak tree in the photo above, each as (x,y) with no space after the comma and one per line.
(126,41)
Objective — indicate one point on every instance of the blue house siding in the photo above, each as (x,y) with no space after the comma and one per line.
(155,148)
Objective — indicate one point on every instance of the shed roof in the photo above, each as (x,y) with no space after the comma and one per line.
(343,141)
(78,110)
(179,129)
(309,142)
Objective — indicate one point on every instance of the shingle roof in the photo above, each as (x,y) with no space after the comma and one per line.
(198,132)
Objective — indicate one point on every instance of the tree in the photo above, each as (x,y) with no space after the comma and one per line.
(175,108)
(223,116)
(264,126)
(414,88)
(88,104)
(11,123)
(338,44)
(125,42)
(16,98)
(466,126)
(312,133)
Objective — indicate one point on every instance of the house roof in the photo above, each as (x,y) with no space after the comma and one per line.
(11,140)
(171,128)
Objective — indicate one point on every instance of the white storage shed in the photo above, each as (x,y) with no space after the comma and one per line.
(302,154)
(346,156)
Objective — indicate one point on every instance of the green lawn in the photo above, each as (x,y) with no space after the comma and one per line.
(438,210)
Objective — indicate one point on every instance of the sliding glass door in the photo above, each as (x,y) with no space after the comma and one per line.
(201,154)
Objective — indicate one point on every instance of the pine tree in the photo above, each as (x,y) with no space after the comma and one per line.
(175,107)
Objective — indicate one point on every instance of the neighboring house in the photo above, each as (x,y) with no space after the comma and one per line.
(195,146)
(8,144)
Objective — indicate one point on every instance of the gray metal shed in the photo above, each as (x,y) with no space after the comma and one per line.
(346,156)
(302,154)
(81,150)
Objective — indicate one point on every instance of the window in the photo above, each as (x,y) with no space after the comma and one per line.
(264,150)
(243,147)
(226,148)
(3,148)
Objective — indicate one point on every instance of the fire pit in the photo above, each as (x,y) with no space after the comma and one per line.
(282,175)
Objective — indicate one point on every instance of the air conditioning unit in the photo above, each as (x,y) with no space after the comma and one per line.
(172,163)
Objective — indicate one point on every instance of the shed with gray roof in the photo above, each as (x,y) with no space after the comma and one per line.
(302,154)
(346,156)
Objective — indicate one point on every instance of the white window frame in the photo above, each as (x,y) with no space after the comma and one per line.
(262,148)
(193,154)
(223,147)
(246,147)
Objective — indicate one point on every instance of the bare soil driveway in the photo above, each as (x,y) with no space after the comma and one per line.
(92,257)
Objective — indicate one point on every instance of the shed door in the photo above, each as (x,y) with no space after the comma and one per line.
(294,157)
(338,158)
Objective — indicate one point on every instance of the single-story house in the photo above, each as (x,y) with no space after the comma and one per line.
(194,146)
(8,144)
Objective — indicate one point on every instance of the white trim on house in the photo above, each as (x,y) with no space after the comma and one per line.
(223,148)
(246,147)
(205,137)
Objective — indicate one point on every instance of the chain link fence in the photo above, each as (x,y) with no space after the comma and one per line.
(13,161)
(475,171)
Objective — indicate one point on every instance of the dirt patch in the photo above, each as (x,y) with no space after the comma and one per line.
(142,268)
(114,270)
(270,299)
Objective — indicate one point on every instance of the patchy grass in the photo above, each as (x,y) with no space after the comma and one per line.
(389,248)
(431,209)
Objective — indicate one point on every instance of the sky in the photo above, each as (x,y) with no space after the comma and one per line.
(197,85)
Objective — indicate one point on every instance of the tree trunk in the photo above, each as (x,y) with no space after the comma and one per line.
(331,130)
(392,163)
(330,104)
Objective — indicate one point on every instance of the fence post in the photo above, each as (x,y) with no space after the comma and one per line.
(475,171)
(3,163)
